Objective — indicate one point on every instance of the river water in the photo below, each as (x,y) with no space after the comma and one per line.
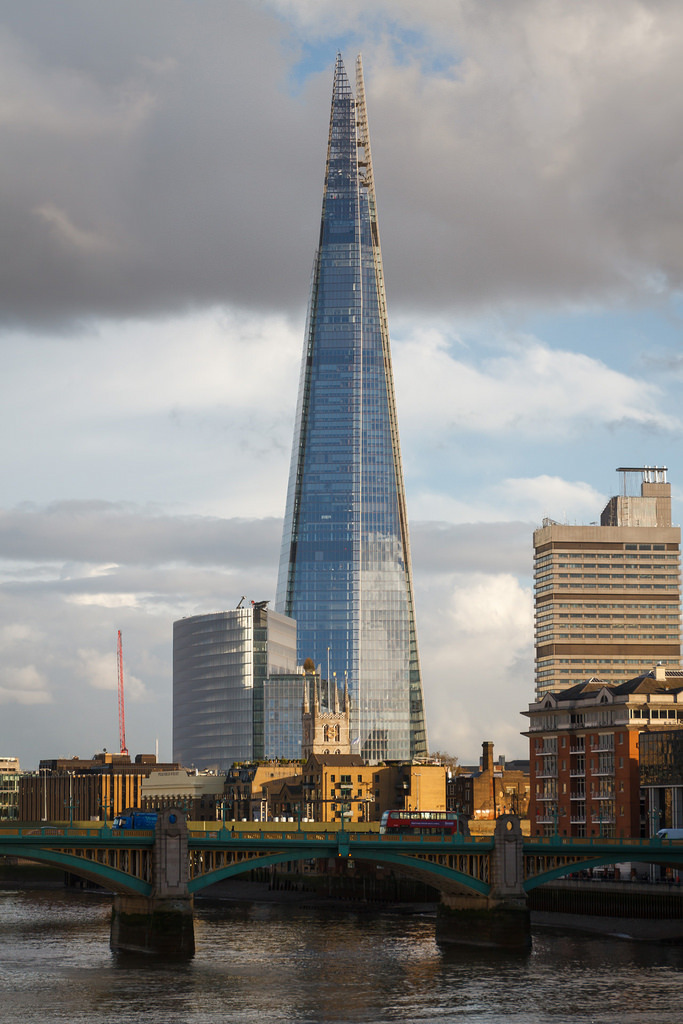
(269,962)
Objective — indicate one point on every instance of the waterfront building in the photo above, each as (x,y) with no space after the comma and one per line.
(245,789)
(79,789)
(660,756)
(341,787)
(10,773)
(220,664)
(493,787)
(328,787)
(332,788)
(345,569)
(607,597)
(584,753)
(199,794)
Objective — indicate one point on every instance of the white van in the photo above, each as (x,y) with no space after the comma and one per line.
(670,833)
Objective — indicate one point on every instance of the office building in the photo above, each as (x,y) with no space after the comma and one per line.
(10,773)
(82,789)
(282,700)
(660,756)
(584,753)
(345,570)
(199,794)
(220,663)
(607,597)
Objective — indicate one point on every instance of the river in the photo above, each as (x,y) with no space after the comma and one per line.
(258,963)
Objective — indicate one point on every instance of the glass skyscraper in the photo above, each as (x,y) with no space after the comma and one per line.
(220,664)
(345,573)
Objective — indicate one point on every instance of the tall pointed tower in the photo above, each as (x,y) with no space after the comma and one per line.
(345,572)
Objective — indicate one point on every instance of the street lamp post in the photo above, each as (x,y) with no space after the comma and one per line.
(43,771)
(71,804)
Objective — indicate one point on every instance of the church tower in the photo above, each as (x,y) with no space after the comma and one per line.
(326,730)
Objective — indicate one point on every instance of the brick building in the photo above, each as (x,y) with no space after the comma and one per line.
(336,787)
(584,753)
(492,788)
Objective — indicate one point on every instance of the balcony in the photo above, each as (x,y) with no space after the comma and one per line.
(547,773)
(577,772)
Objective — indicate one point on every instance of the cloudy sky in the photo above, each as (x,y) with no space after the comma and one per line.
(160,191)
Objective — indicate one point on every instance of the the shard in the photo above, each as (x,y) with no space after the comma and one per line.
(345,572)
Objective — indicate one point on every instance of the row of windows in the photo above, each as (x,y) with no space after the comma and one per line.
(547,637)
(602,554)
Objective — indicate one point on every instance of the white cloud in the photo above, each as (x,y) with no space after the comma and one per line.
(476,637)
(23,684)
(527,499)
(100,671)
(200,408)
(529,389)
(107,600)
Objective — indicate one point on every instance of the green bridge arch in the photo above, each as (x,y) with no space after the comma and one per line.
(92,870)
(437,875)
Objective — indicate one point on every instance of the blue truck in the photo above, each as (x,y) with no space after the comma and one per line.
(136,819)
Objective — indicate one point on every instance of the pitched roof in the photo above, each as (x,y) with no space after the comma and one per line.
(337,760)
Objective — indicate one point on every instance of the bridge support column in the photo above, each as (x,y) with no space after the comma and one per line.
(500,919)
(162,922)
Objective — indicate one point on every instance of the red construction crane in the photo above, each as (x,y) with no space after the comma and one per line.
(122,713)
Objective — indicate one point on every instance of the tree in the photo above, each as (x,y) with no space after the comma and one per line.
(449,760)
(309,665)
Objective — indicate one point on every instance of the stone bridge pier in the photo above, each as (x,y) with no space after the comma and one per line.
(162,922)
(500,919)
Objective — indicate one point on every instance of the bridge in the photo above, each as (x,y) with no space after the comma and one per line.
(154,875)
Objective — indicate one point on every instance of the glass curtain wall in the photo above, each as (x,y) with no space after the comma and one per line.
(345,571)
(213,689)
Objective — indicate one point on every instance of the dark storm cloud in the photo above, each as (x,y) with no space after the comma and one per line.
(101,533)
(163,156)
(114,536)
(153,158)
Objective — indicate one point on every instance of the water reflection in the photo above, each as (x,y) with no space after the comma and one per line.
(308,965)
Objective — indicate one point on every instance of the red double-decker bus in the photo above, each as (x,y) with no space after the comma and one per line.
(419,823)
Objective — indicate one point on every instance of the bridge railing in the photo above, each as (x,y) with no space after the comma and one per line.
(95,831)
(583,841)
(330,835)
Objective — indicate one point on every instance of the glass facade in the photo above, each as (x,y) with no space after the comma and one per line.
(220,663)
(283,699)
(345,572)
(661,758)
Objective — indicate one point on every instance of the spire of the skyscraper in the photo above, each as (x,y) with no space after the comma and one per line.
(345,572)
